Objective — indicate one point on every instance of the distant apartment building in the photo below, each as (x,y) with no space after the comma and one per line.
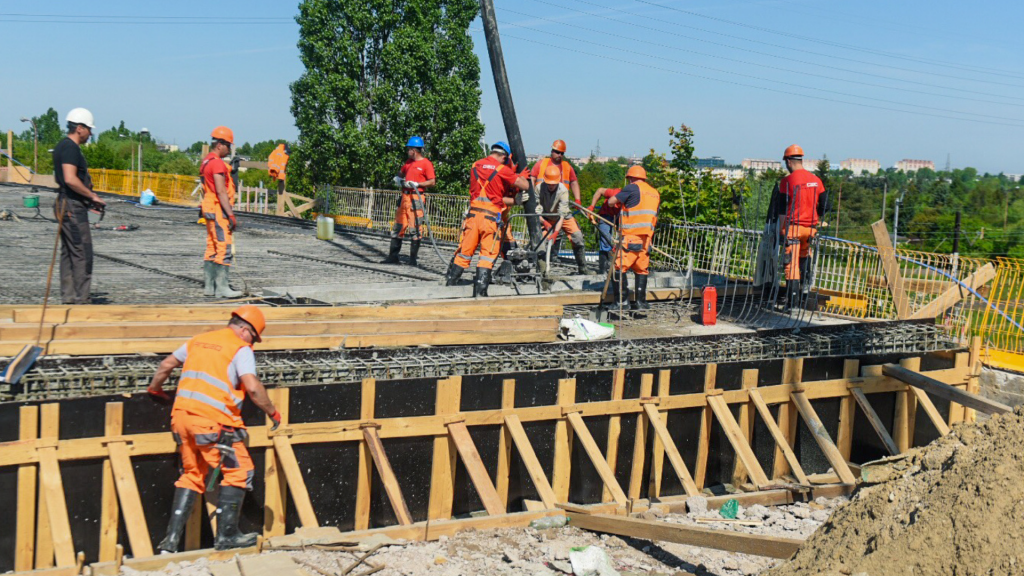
(167,147)
(713,162)
(758,165)
(728,175)
(907,165)
(860,166)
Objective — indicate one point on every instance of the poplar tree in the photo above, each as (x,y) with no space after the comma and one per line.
(378,72)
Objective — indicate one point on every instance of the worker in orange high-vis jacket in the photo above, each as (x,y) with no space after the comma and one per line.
(557,159)
(218,370)
(277,164)
(638,218)
(799,204)
(218,199)
(415,176)
(493,181)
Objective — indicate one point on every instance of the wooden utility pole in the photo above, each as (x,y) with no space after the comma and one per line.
(508,109)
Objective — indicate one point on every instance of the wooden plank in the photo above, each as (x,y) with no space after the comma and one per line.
(891,268)
(25,522)
(957,412)
(704,440)
(442,476)
(110,511)
(772,547)
(847,412)
(476,469)
(970,414)
(296,484)
(674,458)
(762,497)
(364,478)
(614,428)
(781,442)
(792,373)
(914,365)
(931,411)
(160,561)
(275,497)
(508,402)
(739,443)
(658,450)
(56,506)
(529,458)
(945,391)
(131,503)
(596,457)
(821,436)
(746,424)
(636,471)
(875,421)
(562,467)
(49,428)
(956,292)
(387,475)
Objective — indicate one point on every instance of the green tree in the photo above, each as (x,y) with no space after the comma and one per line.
(377,72)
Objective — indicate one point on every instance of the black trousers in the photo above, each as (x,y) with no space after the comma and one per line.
(75,251)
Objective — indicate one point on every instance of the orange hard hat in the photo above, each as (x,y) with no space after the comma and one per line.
(636,172)
(792,151)
(223,133)
(552,174)
(254,316)
(558,145)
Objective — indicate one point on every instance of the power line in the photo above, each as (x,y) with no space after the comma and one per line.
(150,22)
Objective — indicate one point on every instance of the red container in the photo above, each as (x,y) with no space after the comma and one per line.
(709,306)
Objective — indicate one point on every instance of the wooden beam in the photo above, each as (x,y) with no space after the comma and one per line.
(772,547)
(746,424)
(49,428)
(970,414)
(914,365)
(792,373)
(891,268)
(505,336)
(640,441)
(508,402)
(956,292)
(25,521)
(562,467)
(387,476)
(110,511)
(442,475)
(821,436)
(275,497)
(704,440)
(739,443)
(614,428)
(131,503)
(364,474)
(296,484)
(763,497)
(781,442)
(596,457)
(961,362)
(529,457)
(945,391)
(658,450)
(476,469)
(931,411)
(847,412)
(674,458)
(875,421)
(56,506)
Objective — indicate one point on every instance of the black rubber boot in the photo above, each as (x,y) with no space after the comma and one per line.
(805,269)
(581,260)
(794,295)
(483,280)
(454,273)
(414,251)
(641,302)
(396,247)
(603,258)
(229,505)
(184,501)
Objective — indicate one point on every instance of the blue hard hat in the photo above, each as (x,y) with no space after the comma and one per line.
(415,142)
(503,145)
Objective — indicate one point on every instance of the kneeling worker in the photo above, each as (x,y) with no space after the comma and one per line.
(219,369)
(638,218)
(553,198)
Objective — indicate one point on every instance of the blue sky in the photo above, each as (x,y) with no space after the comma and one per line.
(869,79)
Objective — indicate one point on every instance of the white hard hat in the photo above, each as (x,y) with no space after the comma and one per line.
(81,116)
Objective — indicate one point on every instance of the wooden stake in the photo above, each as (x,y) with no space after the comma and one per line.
(128,495)
(636,472)
(972,381)
(847,412)
(746,424)
(614,428)
(563,442)
(296,484)
(275,499)
(875,421)
(540,481)
(658,450)
(387,475)
(476,469)
(56,506)
(736,438)
(24,546)
(364,479)
(803,405)
(704,440)
(931,411)
(674,458)
(792,373)
(508,403)
(109,509)
(596,458)
(49,428)
(781,443)
(442,477)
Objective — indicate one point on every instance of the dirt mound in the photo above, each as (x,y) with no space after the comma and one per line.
(953,507)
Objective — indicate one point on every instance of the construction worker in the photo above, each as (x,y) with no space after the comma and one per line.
(639,203)
(218,371)
(74,200)
(799,204)
(553,198)
(493,181)
(609,217)
(277,163)
(568,176)
(218,199)
(415,176)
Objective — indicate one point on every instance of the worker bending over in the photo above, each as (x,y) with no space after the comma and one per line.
(492,185)
(639,203)
(277,164)
(553,198)
(609,218)
(799,203)
(568,178)
(218,199)
(206,421)
(415,176)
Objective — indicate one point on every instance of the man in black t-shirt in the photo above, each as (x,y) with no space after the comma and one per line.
(74,199)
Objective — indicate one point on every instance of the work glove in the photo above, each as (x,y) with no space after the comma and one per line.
(411,185)
(520,197)
(234,222)
(158,395)
(399,181)
(276,417)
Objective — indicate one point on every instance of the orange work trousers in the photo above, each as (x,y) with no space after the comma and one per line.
(798,245)
(480,230)
(569,227)
(218,238)
(197,439)
(633,255)
(410,211)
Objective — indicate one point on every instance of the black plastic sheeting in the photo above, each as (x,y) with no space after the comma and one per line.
(330,469)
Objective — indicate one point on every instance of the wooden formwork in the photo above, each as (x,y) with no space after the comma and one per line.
(43,531)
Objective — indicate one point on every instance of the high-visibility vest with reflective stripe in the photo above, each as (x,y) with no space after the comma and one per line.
(640,219)
(482,200)
(277,162)
(210,200)
(205,388)
(564,167)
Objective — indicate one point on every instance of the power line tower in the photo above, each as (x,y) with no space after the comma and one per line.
(948,169)
(597,150)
